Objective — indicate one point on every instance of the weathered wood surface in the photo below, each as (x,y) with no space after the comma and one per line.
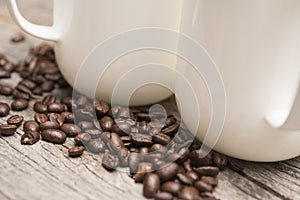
(44,171)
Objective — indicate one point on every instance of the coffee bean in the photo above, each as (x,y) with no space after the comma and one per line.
(184,179)
(95,146)
(171,187)
(6,90)
(39,107)
(19,104)
(168,172)
(207,171)
(70,129)
(209,180)
(28,83)
(84,125)
(124,113)
(48,99)
(24,89)
(30,126)
(163,196)
(123,155)
(189,193)
(49,125)
(56,107)
(76,151)
(157,148)
(143,169)
(67,100)
(110,162)
(94,133)
(151,185)
(198,159)
(116,141)
(54,136)
(57,118)
(4,74)
(101,107)
(15,120)
(171,130)
(170,121)
(17,37)
(82,139)
(40,117)
(4,109)
(203,186)
(192,175)
(106,123)
(38,90)
(122,128)
(220,160)
(70,118)
(134,160)
(161,138)
(142,140)
(47,86)
(30,138)
(7,129)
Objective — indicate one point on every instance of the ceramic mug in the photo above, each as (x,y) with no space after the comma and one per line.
(79,26)
(255,46)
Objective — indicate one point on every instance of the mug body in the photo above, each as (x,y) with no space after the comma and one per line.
(84,25)
(255,46)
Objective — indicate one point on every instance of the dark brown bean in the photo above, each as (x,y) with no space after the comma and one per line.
(9,67)
(171,187)
(24,89)
(47,86)
(15,120)
(163,196)
(6,90)
(84,125)
(122,128)
(142,140)
(106,123)
(110,162)
(95,146)
(171,130)
(168,172)
(161,138)
(207,171)
(30,126)
(19,104)
(57,118)
(203,186)
(70,129)
(28,83)
(82,139)
(124,113)
(20,95)
(184,179)
(76,151)
(198,159)
(123,155)
(48,99)
(56,107)
(116,141)
(143,169)
(189,193)
(49,125)
(39,107)
(134,160)
(94,133)
(151,185)
(101,107)
(17,37)
(170,121)
(4,109)
(220,160)
(54,136)
(70,118)
(210,180)
(7,129)
(37,91)
(40,117)
(30,138)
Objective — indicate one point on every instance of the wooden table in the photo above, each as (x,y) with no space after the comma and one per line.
(44,171)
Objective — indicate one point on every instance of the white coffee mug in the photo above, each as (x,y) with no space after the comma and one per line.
(79,26)
(255,46)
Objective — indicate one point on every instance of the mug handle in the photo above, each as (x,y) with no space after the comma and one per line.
(287,120)
(43,32)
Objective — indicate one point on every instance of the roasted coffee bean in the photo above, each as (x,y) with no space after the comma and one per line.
(122,128)
(54,136)
(47,86)
(183,155)
(203,186)
(171,187)
(67,100)
(15,120)
(40,117)
(157,148)
(84,125)
(207,171)
(20,95)
(6,90)
(134,160)
(94,133)
(28,83)
(163,196)
(4,109)
(49,125)
(24,89)
(57,118)
(197,158)
(76,151)
(30,126)
(116,141)
(19,104)
(82,139)
(161,138)
(209,180)
(70,129)
(110,162)
(143,169)
(123,155)
(170,121)
(106,123)
(141,140)
(188,166)
(192,175)
(4,74)
(48,99)
(171,130)
(220,160)
(70,118)
(30,138)
(235,166)
(151,185)
(56,107)
(143,117)
(37,91)
(95,146)
(39,107)
(101,107)
(7,129)
(17,37)
(189,193)
(168,172)
(184,179)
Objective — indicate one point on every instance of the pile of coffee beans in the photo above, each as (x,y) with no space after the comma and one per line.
(156,147)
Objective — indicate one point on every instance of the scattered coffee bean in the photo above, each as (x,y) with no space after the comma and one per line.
(76,151)
(30,138)
(40,117)
(168,172)
(101,107)
(171,187)
(48,99)
(151,185)
(30,126)
(192,175)
(82,139)
(122,128)
(56,107)
(134,161)
(84,125)
(47,86)
(110,162)
(96,146)
(39,107)
(142,140)
(54,136)
(4,109)
(70,129)
(123,155)
(106,123)
(20,95)
(161,139)
(189,193)
(143,169)
(171,130)
(19,104)
(7,129)
(15,120)
(6,90)
(49,125)
(184,179)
